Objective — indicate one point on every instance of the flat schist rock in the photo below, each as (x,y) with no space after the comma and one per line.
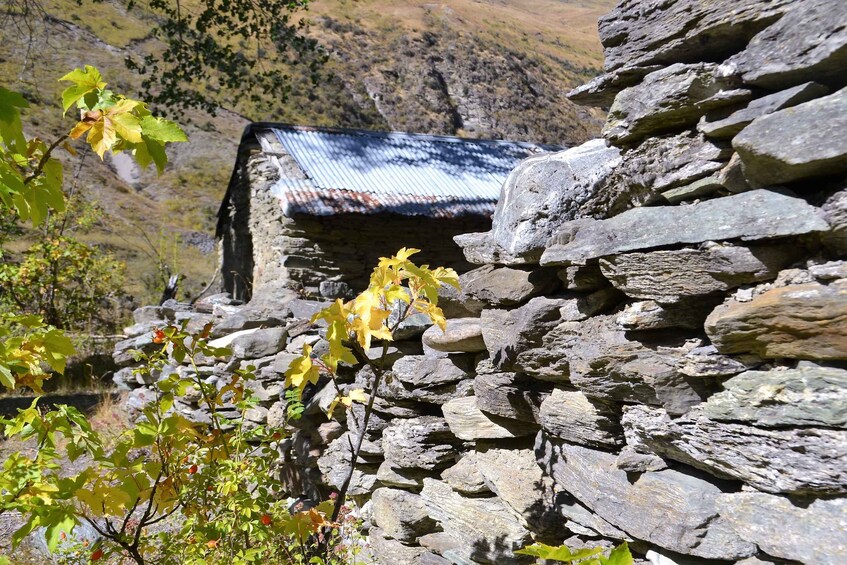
(387,551)
(669,99)
(754,215)
(518,340)
(334,464)
(785,460)
(835,212)
(800,321)
(510,395)
(810,395)
(419,443)
(797,143)
(573,417)
(400,514)
(260,343)
(462,335)
(449,548)
(808,43)
(394,389)
(657,165)
(608,365)
(540,194)
(705,361)
(469,423)
(729,126)
(650,315)
(505,286)
(639,32)
(419,370)
(516,479)
(669,276)
(668,508)
(602,89)
(465,477)
(585,278)
(485,527)
(397,477)
(813,532)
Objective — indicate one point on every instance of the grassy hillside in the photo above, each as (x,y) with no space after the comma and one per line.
(479,68)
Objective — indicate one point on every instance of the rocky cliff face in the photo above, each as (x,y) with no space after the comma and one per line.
(653,346)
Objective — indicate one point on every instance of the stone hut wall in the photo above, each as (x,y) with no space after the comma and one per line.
(265,252)
(653,347)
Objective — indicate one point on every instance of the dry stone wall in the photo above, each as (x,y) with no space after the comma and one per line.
(653,347)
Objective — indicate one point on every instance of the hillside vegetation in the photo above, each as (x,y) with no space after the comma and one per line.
(495,68)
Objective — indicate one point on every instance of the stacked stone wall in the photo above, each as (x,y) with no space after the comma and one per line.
(653,346)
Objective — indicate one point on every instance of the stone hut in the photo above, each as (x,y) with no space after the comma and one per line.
(312,209)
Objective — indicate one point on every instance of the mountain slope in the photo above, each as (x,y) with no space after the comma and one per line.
(493,68)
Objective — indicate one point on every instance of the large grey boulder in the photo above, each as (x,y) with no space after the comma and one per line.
(810,532)
(424,442)
(808,43)
(785,460)
(401,514)
(657,165)
(469,423)
(758,214)
(796,143)
(573,417)
(667,508)
(510,395)
(485,528)
(540,194)
(729,126)
(515,477)
(809,395)
(801,321)
(639,32)
(669,276)
(670,99)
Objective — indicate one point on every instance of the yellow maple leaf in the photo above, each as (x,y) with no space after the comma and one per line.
(302,370)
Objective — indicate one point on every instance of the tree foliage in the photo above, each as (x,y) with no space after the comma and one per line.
(588,556)
(398,289)
(220,51)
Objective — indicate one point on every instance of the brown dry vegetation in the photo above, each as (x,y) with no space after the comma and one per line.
(506,62)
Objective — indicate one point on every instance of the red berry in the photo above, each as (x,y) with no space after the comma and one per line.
(266,519)
(96,554)
(192,469)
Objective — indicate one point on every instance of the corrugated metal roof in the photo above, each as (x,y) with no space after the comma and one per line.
(372,172)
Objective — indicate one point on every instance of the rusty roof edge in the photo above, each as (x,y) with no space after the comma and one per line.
(249,130)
